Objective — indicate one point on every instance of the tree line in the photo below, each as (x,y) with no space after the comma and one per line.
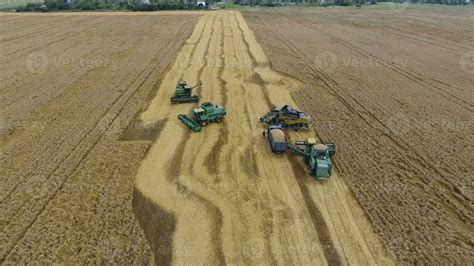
(154,5)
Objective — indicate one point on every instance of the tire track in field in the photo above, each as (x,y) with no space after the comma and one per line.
(29,171)
(11,94)
(214,211)
(213,157)
(33,164)
(411,76)
(329,249)
(102,127)
(5,196)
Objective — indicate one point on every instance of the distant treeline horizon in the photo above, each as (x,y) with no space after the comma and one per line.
(154,5)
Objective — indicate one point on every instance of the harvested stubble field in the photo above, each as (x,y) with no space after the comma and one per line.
(72,142)
(87,133)
(69,86)
(394,90)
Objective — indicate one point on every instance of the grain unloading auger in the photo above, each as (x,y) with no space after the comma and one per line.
(183,93)
(316,156)
(203,115)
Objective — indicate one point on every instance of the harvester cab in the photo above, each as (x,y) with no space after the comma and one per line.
(198,112)
(208,107)
(183,93)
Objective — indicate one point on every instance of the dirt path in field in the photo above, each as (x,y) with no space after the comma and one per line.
(221,196)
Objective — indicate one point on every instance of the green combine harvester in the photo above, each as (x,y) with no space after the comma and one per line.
(183,93)
(316,156)
(203,115)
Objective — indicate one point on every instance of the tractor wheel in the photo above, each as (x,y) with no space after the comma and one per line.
(204,123)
